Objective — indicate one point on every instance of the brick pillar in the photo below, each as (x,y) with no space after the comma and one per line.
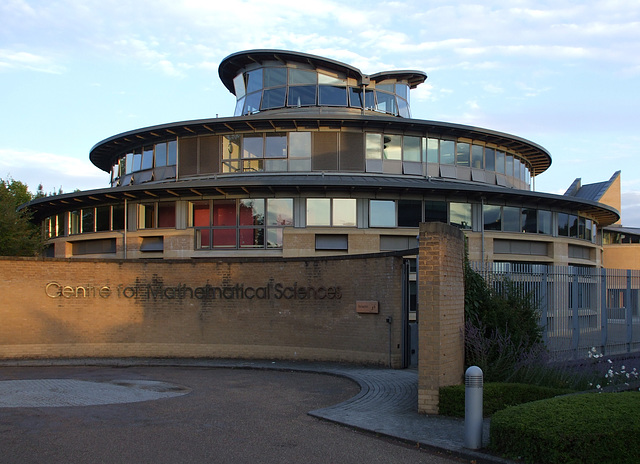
(440,312)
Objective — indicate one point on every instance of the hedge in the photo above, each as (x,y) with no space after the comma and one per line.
(496,396)
(593,428)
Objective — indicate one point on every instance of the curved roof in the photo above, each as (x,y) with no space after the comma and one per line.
(105,153)
(271,185)
(234,63)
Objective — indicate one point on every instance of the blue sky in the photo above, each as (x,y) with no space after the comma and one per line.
(563,74)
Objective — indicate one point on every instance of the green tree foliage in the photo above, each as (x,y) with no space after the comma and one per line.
(501,327)
(18,235)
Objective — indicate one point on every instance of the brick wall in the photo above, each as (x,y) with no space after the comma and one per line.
(441,312)
(242,308)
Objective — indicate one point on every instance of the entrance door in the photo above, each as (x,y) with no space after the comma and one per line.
(409,313)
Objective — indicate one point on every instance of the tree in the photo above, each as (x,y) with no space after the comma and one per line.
(18,235)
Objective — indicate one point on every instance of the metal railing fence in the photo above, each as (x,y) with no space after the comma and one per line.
(580,308)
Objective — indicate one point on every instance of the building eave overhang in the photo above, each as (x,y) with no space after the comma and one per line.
(105,153)
(319,184)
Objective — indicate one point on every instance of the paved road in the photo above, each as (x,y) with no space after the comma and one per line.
(228,416)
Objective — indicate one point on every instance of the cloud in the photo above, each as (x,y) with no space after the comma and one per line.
(17,60)
(53,171)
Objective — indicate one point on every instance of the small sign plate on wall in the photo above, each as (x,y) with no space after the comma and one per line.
(367,307)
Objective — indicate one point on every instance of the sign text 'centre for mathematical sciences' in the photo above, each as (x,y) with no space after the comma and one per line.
(181,291)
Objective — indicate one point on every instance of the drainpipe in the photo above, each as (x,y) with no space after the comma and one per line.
(126,213)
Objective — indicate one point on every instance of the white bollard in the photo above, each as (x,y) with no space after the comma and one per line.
(473,381)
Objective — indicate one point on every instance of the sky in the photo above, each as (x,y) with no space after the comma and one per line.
(564,74)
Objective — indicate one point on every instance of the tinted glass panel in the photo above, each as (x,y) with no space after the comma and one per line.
(573,226)
(563,224)
(447,154)
(224,213)
(476,156)
(509,165)
(254,80)
(280,212)
(344,212)
(172,152)
(274,98)
(304,95)
(167,214)
(432,151)
(161,154)
(374,146)
(529,220)
(300,76)
(252,103)
(300,145)
(409,213)
(275,146)
(544,222)
(274,77)
(118,217)
(251,238)
(411,149)
(201,216)
(460,215)
(435,211)
(392,149)
(252,147)
(382,213)
(355,97)
(318,212)
(103,218)
(500,162)
(492,217)
(147,158)
(510,219)
(462,154)
(251,212)
(369,99)
(386,103)
(87,220)
(490,159)
(332,95)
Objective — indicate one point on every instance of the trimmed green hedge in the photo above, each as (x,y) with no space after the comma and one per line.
(592,428)
(496,396)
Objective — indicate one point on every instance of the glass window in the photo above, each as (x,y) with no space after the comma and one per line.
(369,99)
(432,151)
(411,149)
(460,215)
(254,80)
(74,222)
(386,87)
(275,77)
(172,152)
(300,76)
(275,237)
(239,107)
(510,219)
(544,222)
(318,211)
(392,149)
(403,108)
(147,158)
(447,152)
(409,213)
(332,95)
(462,154)
(500,162)
(563,224)
(238,85)
(374,146)
(252,103)
(224,213)
(128,163)
(103,218)
(251,212)
(573,226)
(137,160)
(344,212)
(509,165)
(252,147)
(201,216)
(300,151)
(490,159)
(88,220)
(529,220)
(231,153)
(517,170)
(476,156)
(581,226)
(167,214)
(588,230)
(402,90)
(330,80)
(224,238)
(146,216)
(492,217)
(117,218)
(274,98)
(386,103)
(435,211)
(161,154)
(279,212)
(275,146)
(382,213)
(302,95)
(355,97)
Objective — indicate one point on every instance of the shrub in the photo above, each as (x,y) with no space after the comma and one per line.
(586,428)
(496,396)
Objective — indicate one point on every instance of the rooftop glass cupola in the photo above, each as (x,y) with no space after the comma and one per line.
(264,80)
